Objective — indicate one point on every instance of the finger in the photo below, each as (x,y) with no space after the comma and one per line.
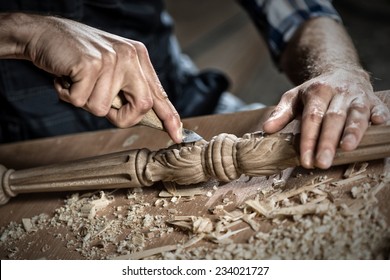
(108,84)
(136,106)
(283,113)
(83,82)
(76,94)
(161,104)
(130,113)
(135,88)
(61,90)
(380,113)
(99,102)
(356,124)
(331,130)
(316,99)
(170,118)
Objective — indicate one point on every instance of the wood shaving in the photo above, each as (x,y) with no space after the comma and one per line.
(27,225)
(194,224)
(146,253)
(161,203)
(301,223)
(278,183)
(355,169)
(349,180)
(321,230)
(182,192)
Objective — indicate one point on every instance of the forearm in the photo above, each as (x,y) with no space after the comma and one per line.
(98,63)
(14,36)
(319,46)
(334,96)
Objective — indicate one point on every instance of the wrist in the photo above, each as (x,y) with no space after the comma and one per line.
(342,70)
(16,32)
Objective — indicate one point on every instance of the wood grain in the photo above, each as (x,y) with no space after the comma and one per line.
(71,147)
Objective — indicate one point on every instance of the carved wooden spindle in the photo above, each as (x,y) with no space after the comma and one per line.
(224,158)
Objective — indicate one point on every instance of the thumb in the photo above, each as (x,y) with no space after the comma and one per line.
(283,113)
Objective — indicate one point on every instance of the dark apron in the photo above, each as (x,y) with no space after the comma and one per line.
(29,106)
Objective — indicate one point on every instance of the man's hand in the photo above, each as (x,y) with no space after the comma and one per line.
(100,65)
(336,111)
(334,93)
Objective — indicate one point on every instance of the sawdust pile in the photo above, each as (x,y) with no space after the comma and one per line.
(332,230)
(336,235)
(88,231)
(314,221)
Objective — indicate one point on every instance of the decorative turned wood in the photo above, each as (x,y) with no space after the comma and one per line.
(224,158)
(119,170)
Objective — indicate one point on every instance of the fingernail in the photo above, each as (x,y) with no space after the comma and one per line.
(307,159)
(325,158)
(349,140)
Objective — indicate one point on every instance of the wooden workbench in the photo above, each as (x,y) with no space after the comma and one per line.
(46,243)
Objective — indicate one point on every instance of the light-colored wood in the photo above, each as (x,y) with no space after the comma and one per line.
(225,158)
(44,243)
(150,119)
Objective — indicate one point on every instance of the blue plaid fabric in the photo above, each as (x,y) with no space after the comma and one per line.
(277,20)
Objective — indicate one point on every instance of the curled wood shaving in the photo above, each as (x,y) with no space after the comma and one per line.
(248,218)
(170,187)
(193,223)
(262,207)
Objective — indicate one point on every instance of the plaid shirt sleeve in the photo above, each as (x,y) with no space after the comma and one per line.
(277,20)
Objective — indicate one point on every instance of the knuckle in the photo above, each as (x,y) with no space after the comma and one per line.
(172,116)
(289,94)
(140,48)
(110,57)
(359,106)
(314,115)
(354,129)
(122,123)
(91,65)
(125,49)
(125,121)
(316,87)
(101,110)
(288,99)
(78,101)
(336,114)
(145,104)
